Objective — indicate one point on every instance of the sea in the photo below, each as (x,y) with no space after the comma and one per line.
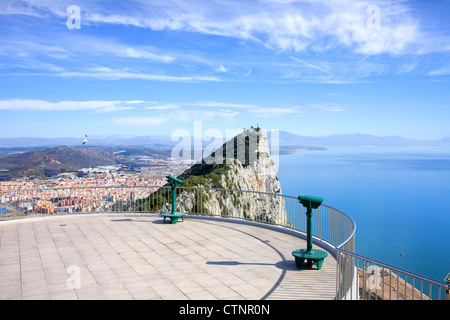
(399,198)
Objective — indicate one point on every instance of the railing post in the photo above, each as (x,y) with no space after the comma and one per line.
(447,291)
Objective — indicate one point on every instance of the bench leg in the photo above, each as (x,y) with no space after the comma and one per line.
(319,264)
(299,262)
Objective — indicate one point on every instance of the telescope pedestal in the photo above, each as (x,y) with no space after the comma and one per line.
(173,216)
(312,256)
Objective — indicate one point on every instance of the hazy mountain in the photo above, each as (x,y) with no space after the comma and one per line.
(52,161)
(115,140)
(285,139)
(289,139)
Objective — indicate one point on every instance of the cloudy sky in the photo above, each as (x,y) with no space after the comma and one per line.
(311,67)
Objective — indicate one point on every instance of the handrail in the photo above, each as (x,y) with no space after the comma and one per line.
(352,234)
(324,225)
(332,225)
(398,269)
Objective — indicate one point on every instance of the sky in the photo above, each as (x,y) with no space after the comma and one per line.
(310,67)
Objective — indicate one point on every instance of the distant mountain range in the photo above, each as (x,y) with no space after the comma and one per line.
(46,157)
(52,161)
(355,140)
(114,140)
(286,139)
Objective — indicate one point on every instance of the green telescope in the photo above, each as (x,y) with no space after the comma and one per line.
(173,181)
(310,202)
(311,256)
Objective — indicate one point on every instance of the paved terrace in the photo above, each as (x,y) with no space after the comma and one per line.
(140,257)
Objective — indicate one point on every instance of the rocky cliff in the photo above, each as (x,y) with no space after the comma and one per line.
(242,164)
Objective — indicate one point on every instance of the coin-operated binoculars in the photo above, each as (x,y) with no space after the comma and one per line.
(173,216)
(311,255)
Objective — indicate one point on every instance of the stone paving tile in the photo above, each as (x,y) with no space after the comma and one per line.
(139,257)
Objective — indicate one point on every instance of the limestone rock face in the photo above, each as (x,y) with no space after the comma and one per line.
(243,164)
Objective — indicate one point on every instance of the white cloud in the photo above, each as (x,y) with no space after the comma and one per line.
(228,109)
(440,72)
(93,105)
(142,54)
(106,73)
(163,107)
(277,112)
(325,39)
(27,48)
(221,68)
(310,65)
(218,104)
(139,121)
(329,107)
(282,25)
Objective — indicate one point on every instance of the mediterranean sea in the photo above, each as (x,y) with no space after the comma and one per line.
(399,198)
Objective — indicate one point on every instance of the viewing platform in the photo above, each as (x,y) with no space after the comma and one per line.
(112,256)
(112,243)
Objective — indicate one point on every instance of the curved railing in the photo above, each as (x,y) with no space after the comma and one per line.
(331,227)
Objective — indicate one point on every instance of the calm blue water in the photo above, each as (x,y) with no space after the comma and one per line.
(399,198)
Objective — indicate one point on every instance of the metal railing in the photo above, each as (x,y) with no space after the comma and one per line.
(381,281)
(331,227)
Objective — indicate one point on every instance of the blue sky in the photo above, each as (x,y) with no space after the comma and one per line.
(151,67)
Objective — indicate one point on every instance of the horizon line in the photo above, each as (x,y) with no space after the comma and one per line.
(163,136)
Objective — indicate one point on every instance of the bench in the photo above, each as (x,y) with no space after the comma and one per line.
(173,216)
(311,256)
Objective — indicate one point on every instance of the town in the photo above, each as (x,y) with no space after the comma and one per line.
(88,190)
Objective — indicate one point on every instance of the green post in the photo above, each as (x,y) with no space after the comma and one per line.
(173,215)
(309,229)
(173,199)
(309,254)
(309,202)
